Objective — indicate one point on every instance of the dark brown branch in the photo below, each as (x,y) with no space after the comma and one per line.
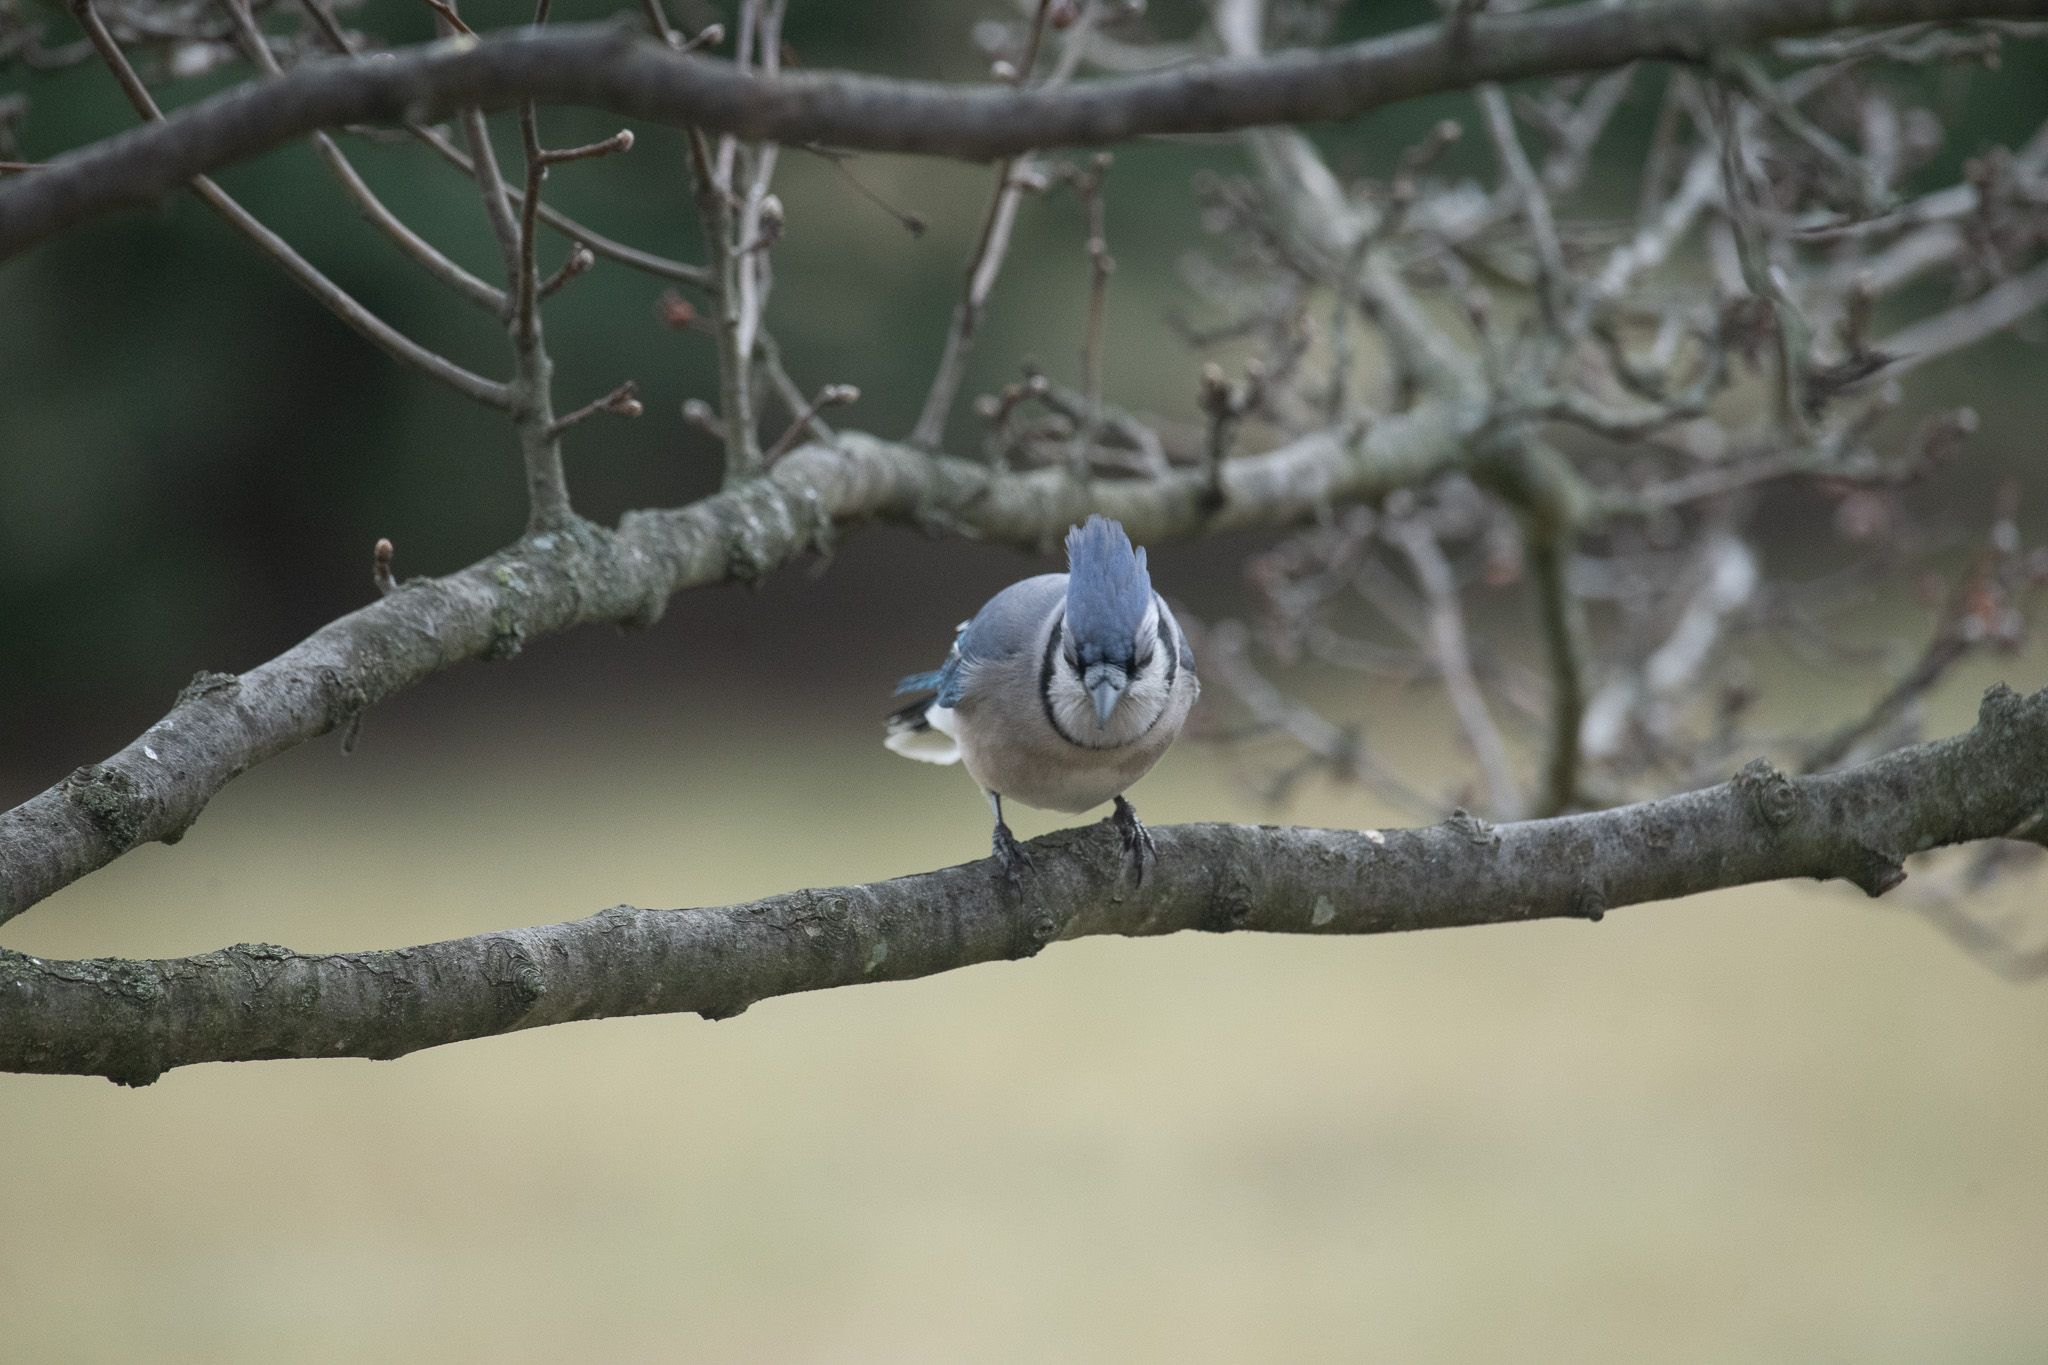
(133,1020)
(611,68)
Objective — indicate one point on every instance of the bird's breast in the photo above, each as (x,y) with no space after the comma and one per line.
(1017,752)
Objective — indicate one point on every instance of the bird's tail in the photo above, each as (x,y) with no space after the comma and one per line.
(923,730)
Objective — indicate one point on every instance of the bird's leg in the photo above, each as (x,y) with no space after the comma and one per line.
(1008,851)
(1138,844)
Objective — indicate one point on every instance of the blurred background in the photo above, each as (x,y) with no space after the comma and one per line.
(1784,1124)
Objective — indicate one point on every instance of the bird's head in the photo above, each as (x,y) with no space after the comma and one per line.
(1111,628)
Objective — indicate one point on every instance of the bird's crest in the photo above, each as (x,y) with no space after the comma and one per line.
(1108,590)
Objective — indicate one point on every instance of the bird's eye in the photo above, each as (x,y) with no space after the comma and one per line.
(1145,660)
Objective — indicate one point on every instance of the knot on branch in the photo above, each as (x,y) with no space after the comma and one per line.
(1590,904)
(508,629)
(112,799)
(1472,827)
(747,558)
(346,699)
(1774,795)
(508,635)
(259,952)
(2001,709)
(1230,902)
(515,978)
(206,684)
(1874,872)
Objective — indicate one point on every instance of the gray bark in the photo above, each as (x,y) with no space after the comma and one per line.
(133,1020)
(222,725)
(607,67)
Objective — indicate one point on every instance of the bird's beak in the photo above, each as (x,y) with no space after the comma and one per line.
(1105,686)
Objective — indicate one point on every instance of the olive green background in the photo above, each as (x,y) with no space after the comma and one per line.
(1785,1125)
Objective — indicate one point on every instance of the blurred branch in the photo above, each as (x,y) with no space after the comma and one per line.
(131,1021)
(735,367)
(1446,620)
(609,67)
(1015,176)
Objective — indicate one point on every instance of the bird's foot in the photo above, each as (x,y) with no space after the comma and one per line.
(1013,857)
(1138,845)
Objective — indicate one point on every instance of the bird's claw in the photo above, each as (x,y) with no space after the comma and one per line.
(1013,856)
(1138,845)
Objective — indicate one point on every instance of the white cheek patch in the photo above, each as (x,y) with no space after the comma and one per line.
(1144,699)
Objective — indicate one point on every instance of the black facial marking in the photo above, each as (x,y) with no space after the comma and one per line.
(1171,641)
(1045,667)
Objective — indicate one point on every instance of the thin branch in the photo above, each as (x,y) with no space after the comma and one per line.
(831,396)
(132,1021)
(622,401)
(491,182)
(1101,265)
(1454,663)
(1013,178)
(331,295)
(257,48)
(1564,649)
(632,257)
(579,262)
(1014,175)
(1551,277)
(608,67)
(1966,324)
(735,367)
(1541,485)
(1789,332)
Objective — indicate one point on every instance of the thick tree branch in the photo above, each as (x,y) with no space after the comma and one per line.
(611,68)
(133,1020)
(582,574)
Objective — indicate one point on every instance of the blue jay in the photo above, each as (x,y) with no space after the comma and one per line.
(1061,692)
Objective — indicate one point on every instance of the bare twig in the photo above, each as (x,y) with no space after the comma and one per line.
(1454,662)
(1014,177)
(331,295)
(831,396)
(646,262)
(622,401)
(490,297)
(1551,277)
(736,400)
